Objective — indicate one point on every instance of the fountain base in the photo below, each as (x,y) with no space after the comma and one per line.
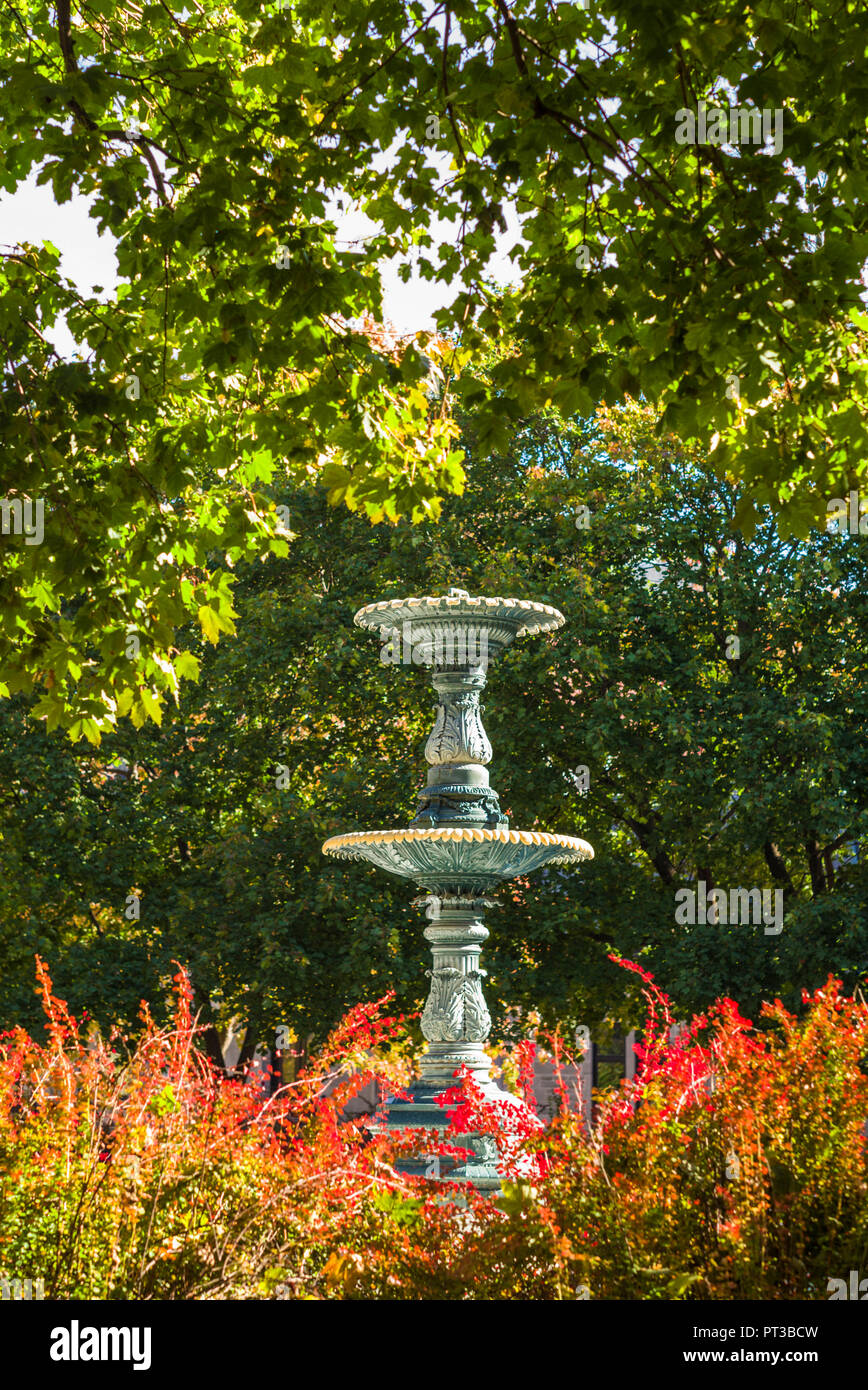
(483,1167)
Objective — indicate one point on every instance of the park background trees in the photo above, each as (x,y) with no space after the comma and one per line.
(746,769)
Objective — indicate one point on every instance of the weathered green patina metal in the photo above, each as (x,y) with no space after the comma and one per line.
(458,848)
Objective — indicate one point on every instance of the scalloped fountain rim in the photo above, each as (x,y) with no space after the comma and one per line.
(354,839)
(552,617)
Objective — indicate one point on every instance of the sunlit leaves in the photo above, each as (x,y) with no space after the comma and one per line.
(207,143)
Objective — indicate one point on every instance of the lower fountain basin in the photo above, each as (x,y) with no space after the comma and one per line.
(466,860)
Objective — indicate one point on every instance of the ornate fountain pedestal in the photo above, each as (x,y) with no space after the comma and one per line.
(455,1025)
(458,850)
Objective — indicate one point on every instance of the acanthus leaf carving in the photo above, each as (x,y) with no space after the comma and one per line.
(455,1010)
(477,1019)
(458,735)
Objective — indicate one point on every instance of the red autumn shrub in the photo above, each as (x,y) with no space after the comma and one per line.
(733,1166)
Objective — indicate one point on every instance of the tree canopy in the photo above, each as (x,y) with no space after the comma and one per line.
(717,278)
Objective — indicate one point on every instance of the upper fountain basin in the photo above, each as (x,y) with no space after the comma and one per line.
(423,622)
(458,860)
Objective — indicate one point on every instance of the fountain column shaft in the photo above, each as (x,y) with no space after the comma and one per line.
(455,1020)
(458,791)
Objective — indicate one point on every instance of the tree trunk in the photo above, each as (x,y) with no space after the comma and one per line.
(815,864)
(777,867)
(207,1036)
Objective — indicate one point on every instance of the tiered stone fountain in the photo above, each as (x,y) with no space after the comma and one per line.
(458,848)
